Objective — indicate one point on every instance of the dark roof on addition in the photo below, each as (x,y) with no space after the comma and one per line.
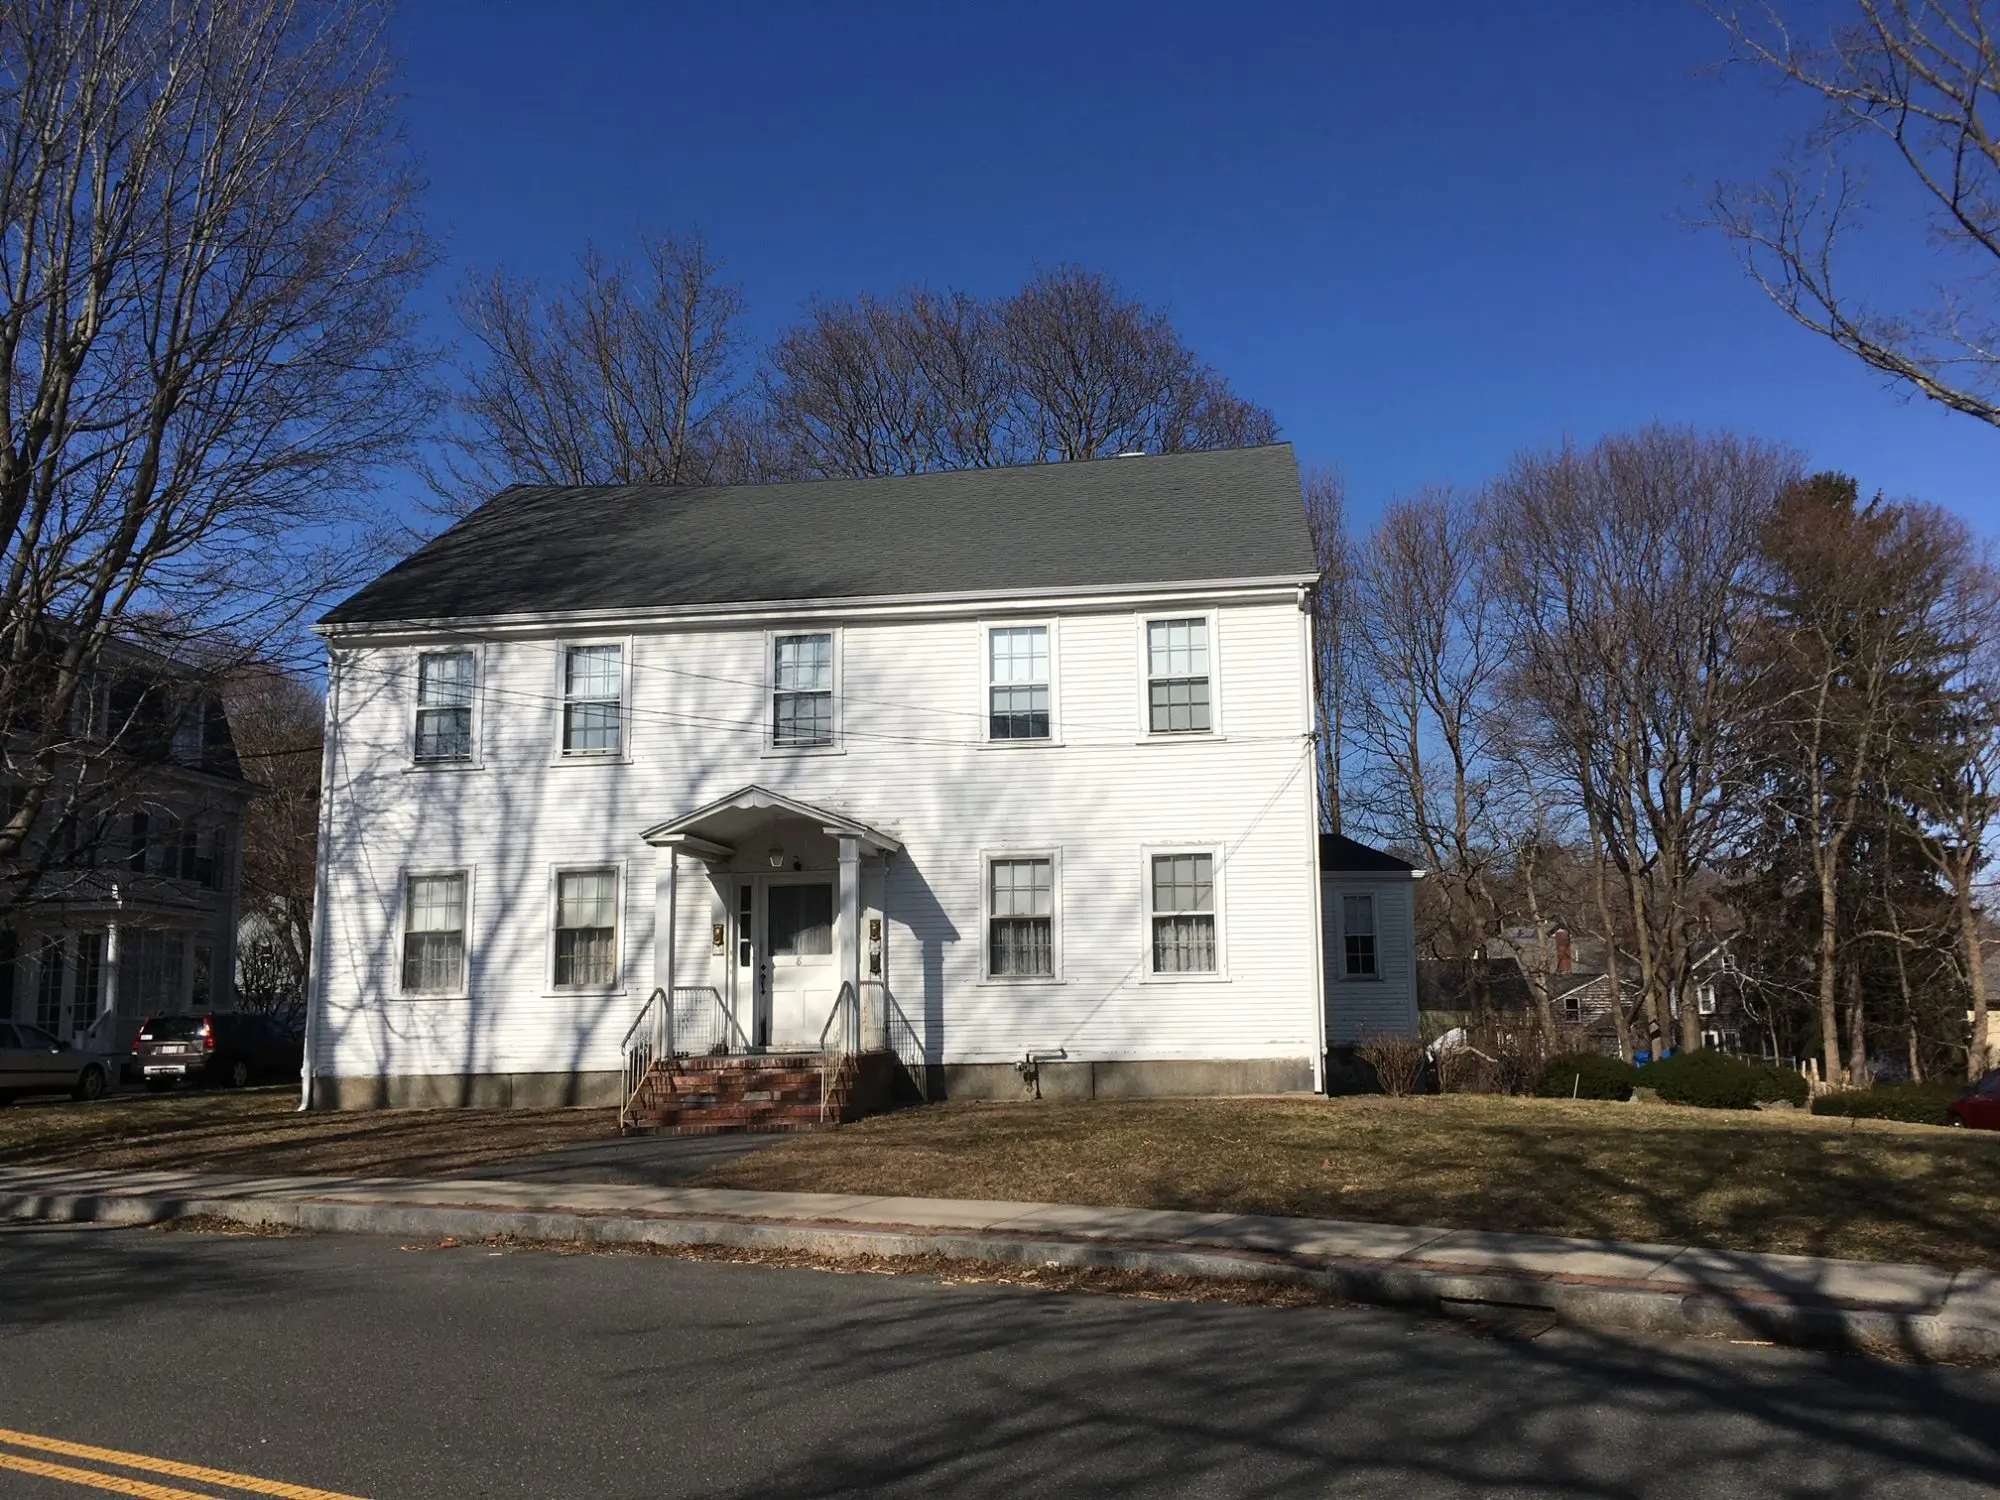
(1337,852)
(1171,518)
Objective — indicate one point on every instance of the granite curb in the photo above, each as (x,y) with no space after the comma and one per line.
(1437,1287)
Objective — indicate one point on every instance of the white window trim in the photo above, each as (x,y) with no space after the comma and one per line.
(403,878)
(475,761)
(770,708)
(1053,854)
(1341,975)
(558,755)
(1148,975)
(984,706)
(550,989)
(1145,663)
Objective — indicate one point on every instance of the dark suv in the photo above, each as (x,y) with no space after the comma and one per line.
(221,1047)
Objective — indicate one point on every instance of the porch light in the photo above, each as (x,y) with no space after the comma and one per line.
(776,855)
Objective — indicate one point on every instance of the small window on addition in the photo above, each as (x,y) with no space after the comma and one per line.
(1357,931)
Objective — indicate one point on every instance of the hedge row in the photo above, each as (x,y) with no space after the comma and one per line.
(1707,1080)
(1915,1103)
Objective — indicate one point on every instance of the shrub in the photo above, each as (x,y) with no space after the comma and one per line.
(1777,1085)
(1398,1062)
(1705,1079)
(1916,1103)
(1587,1075)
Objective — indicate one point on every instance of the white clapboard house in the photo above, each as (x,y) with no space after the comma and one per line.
(967,783)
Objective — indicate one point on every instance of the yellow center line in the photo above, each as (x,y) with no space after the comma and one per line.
(195,1472)
(118,1484)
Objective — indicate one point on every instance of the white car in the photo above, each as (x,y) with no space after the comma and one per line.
(34,1062)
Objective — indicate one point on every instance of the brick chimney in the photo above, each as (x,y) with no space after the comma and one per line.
(1565,954)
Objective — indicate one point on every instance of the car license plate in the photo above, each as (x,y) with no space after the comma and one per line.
(175,1068)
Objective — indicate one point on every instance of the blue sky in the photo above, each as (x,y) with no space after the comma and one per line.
(1425,236)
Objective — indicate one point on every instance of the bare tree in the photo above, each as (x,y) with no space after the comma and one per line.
(868,387)
(207,242)
(1096,372)
(277,722)
(1432,658)
(1912,85)
(1333,610)
(1066,368)
(628,376)
(1621,571)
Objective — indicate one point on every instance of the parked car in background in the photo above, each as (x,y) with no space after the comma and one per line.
(1979,1106)
(34,1062)
(221,1047)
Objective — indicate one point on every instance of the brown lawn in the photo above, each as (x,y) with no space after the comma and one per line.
(260,1131)
(1769,1181)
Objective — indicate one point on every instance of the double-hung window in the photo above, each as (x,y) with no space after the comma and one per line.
(1017,658)
(444,707)
(1020,920)
(434,910)
(1357,936)
(802,706)
(593,700)
(1183,906)
(1178,700)
(586,948)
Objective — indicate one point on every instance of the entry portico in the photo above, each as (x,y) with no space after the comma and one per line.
(795,894)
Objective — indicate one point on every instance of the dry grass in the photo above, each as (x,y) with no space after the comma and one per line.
(260,1131)
(1785,1182)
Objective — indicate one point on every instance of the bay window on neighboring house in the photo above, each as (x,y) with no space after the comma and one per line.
(1020,917)
(1357,936)
(446,681)
(586,929)
(434,926)
(593,705)
(1017,676)
(802,691)
(1178,681)
(1181,888)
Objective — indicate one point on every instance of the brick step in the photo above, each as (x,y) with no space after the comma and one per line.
(729,1117)
(703,1127)
(762,1062)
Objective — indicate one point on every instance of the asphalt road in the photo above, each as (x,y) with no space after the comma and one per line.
(354,1366)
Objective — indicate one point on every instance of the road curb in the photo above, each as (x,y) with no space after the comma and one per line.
(1610,1307)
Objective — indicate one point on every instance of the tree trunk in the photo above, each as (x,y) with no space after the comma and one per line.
(1829,979)
(1857,1033)
(1977,1057)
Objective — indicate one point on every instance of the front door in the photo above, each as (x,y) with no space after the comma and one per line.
(797,958)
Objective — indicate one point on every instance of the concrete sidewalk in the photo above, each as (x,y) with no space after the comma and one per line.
(1899,1311)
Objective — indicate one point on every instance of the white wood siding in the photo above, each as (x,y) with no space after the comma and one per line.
(1357,1009)
(913,762)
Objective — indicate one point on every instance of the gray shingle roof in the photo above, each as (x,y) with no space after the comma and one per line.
(1170,518)
(1341,854)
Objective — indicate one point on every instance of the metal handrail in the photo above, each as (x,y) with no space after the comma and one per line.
(718,1022)
(655,1020)
(833,1058)
(906,1042)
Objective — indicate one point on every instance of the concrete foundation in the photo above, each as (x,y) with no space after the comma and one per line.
(879,1084)
(1141,1079)
(472,1091)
